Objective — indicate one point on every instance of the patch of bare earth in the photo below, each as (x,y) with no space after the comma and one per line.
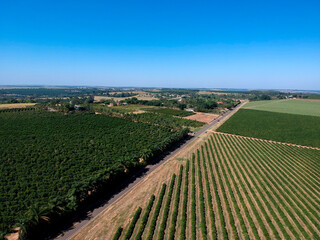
(203,117)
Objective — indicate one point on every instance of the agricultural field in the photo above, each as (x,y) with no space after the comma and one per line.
(147,115)
(203,117)
(231,187)
(139,96)
(16,105)
(172,112)
(311,108)
(131,108)
(50,162)
(282,127)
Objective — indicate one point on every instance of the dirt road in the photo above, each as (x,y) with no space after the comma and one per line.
(68,233)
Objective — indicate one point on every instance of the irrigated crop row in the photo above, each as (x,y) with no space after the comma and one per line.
(239,188)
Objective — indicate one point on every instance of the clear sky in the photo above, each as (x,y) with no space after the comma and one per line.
(204,44)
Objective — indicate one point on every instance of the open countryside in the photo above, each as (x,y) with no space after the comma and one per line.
(160,120)
(229,182)
(211,196)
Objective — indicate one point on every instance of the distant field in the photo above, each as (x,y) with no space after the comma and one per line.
(139,97)
(135,108)
(311,108)
(283,127)
(172,112)
(16,105)
(209,92)
(203,117)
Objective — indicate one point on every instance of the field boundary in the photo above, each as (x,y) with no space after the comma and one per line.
(266,140)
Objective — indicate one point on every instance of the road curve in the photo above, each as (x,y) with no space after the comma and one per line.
(77,226)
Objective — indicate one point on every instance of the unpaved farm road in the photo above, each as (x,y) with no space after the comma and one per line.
(67,234)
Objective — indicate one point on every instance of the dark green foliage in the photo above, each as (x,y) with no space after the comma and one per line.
(117,235)
(133,224)
(172,112)
(210,205)
(176,206)
(165,120)
(53,160)
(290,198)
(242,157)
(149,117)
(145,218)
(283,127)
(224,194)
(156,212)
(203,225)
(193,200)
(165,215)
(215,187)
(185,204)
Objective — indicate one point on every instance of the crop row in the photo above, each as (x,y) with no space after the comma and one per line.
(269,201)
(235,204)
(290,197)
(300,180)
(241,189)
(209,195)
(133,223)
(176,206)
(274,184)
(185,204)
(145,218)
(166,209)
(193,200)
(224,191)
(152,226)
(267,191)
(203,225)
(255,209)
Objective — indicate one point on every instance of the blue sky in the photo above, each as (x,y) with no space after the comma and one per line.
(204,44)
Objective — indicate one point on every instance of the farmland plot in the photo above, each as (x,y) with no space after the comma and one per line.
(238,188)
(283,127)
(51,162)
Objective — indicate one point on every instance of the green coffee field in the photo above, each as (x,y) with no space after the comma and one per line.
(287,106)
(282,127)
(235,188)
